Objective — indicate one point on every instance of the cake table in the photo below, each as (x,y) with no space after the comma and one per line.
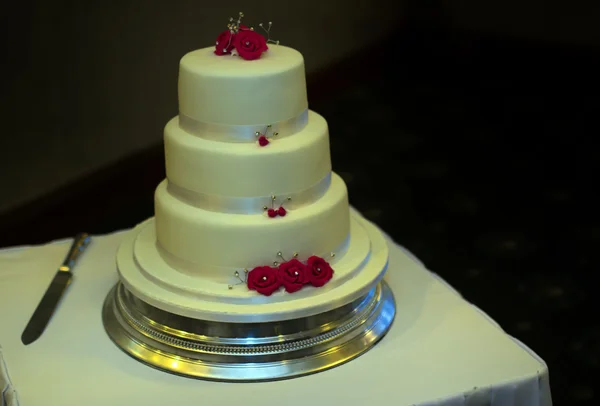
(441,350)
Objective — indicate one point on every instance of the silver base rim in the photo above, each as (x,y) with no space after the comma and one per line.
(246,352)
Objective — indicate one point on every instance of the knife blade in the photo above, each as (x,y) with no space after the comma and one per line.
(62,279)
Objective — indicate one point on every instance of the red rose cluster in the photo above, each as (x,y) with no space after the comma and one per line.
(272,212)
(247,43)
(292,275)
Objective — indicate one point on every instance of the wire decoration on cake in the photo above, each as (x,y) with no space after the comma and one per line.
(268,31)
(291,274)
(263,138)
(242,40)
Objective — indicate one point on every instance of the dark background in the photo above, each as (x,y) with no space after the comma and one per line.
(467,132)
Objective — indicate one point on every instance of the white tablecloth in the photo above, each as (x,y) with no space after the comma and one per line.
(441,350)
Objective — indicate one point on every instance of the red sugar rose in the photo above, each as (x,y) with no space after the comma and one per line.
(319,271)
(262,140)
(249,44)
(293,275)
(264,280)
(224,43)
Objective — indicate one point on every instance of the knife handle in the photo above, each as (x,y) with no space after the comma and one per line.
(80,243)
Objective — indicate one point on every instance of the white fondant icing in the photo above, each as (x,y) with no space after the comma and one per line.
(230,90)
(212,284)
(215,303)
(228,240)
(286,165)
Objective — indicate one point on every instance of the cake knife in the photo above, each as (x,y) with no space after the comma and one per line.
(45,309)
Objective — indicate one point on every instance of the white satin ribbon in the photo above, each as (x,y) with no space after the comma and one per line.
(249,205)
(242,133)
(226,275)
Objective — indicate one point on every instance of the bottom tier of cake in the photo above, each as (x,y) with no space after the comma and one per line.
(145,272)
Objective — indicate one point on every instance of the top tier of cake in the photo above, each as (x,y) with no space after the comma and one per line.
(231,91)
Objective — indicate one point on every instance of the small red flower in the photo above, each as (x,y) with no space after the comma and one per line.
(262,141)
(272,213)
(249,44)
(319,271)
(264,280)
(224,44)
(281,211)
(293,275)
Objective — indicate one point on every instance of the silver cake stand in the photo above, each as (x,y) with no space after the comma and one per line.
(246,352)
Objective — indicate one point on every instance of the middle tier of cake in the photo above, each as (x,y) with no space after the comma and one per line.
(205,165)
(193,239)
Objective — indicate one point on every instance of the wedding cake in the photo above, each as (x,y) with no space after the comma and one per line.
(250,213)
(251,225)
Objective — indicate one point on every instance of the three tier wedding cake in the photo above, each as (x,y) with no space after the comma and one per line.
(251,225)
